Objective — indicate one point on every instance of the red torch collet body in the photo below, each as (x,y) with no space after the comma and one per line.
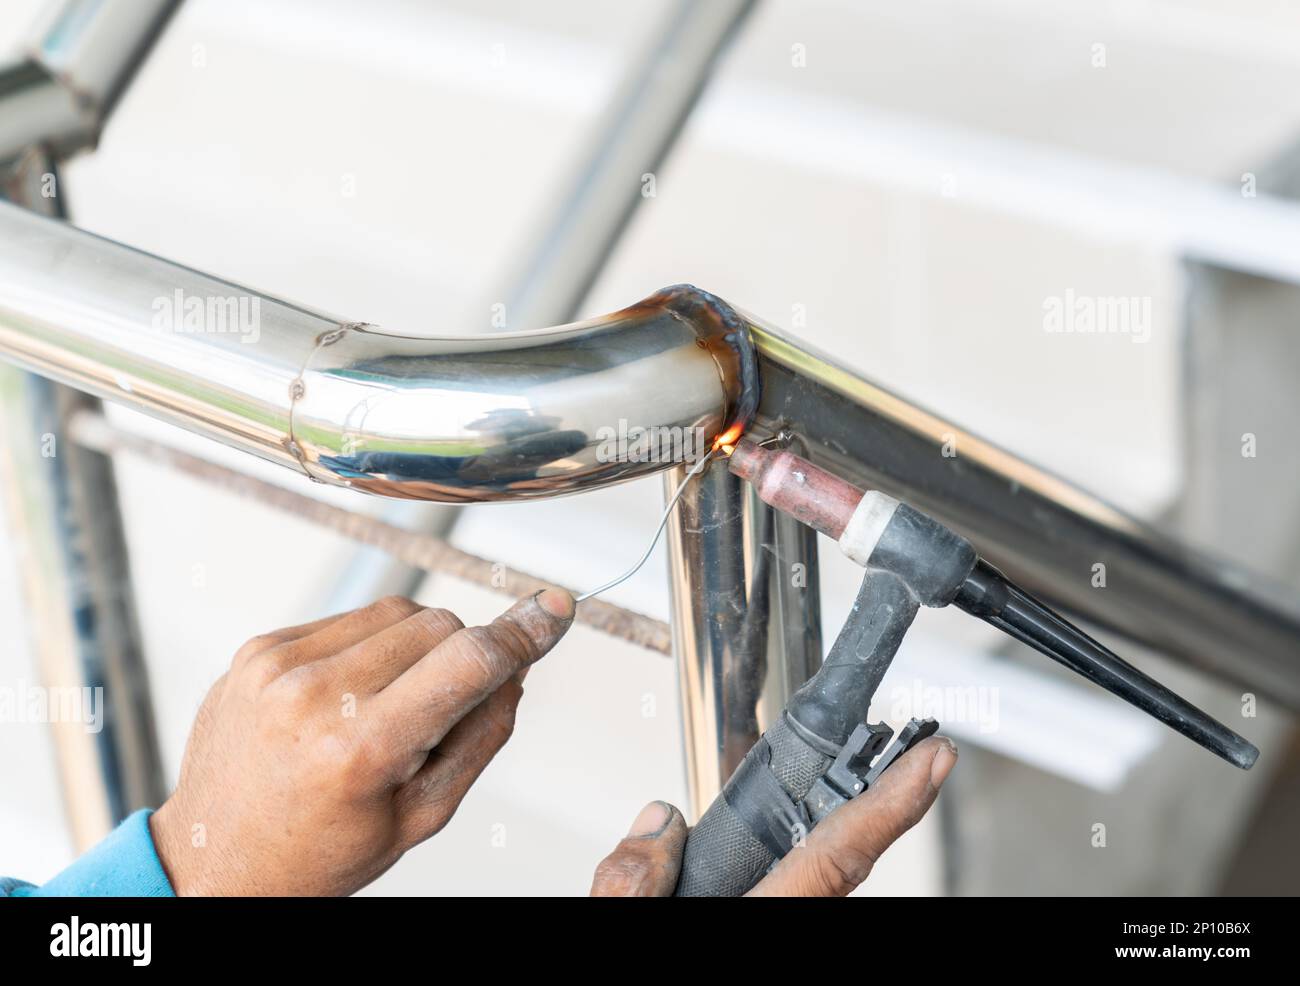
(795,486)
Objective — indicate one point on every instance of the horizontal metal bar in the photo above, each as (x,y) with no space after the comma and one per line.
(1046,533)
(516,415)
(521,415)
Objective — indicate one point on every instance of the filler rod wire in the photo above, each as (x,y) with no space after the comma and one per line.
(663,520)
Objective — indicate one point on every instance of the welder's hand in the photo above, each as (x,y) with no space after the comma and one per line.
(329,749)
(835,859)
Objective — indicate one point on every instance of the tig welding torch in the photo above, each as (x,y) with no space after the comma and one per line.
(821,752)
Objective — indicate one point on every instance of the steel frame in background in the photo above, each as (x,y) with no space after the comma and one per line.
(1044,531)
(66,531)
(64,517)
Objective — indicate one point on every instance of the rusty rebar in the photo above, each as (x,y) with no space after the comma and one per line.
(420,551)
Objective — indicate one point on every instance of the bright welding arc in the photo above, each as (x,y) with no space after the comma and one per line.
(663,520)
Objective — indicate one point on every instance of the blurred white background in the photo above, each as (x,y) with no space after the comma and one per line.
(915,190)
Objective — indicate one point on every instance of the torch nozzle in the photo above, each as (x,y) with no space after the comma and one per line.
(988,594)
(829,504)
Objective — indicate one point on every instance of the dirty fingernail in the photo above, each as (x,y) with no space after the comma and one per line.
(943,761)
(557,602)
(654,818)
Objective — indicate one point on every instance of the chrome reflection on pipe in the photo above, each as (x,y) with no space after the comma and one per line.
(113,322)
(524,414)
(501,417)
(716,662)
(469,419)
(746,610)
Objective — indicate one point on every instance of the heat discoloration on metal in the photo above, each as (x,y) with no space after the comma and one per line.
(530,414)
(725,335)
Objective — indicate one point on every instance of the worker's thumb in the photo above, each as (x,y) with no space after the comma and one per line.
(511,643)
(532,626)
(646,863)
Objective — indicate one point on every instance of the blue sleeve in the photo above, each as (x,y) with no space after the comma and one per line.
(125,864)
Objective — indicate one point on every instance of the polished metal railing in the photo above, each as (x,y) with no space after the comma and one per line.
(522,415)
(525,415)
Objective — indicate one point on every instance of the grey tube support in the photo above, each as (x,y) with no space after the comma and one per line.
(746,620)
(66,529)
(77,60)
(795,643)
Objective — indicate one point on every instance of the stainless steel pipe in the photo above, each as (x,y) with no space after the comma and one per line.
(746,619)
(532,414)
(454,419)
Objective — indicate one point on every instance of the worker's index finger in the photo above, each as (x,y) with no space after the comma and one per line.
(432,695)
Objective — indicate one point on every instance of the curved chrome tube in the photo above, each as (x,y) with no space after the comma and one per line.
(518,415)
(455,419)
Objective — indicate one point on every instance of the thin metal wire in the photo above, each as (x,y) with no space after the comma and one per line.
(672,502)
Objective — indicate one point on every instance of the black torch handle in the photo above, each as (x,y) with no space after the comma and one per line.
(758,817)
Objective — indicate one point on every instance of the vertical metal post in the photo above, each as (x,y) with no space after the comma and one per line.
(66,528)
(62,500)
(746,619)
(795,643)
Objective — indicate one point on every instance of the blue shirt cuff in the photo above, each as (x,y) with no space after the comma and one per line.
(124,864)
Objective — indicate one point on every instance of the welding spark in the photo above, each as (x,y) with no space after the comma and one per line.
(726,442)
